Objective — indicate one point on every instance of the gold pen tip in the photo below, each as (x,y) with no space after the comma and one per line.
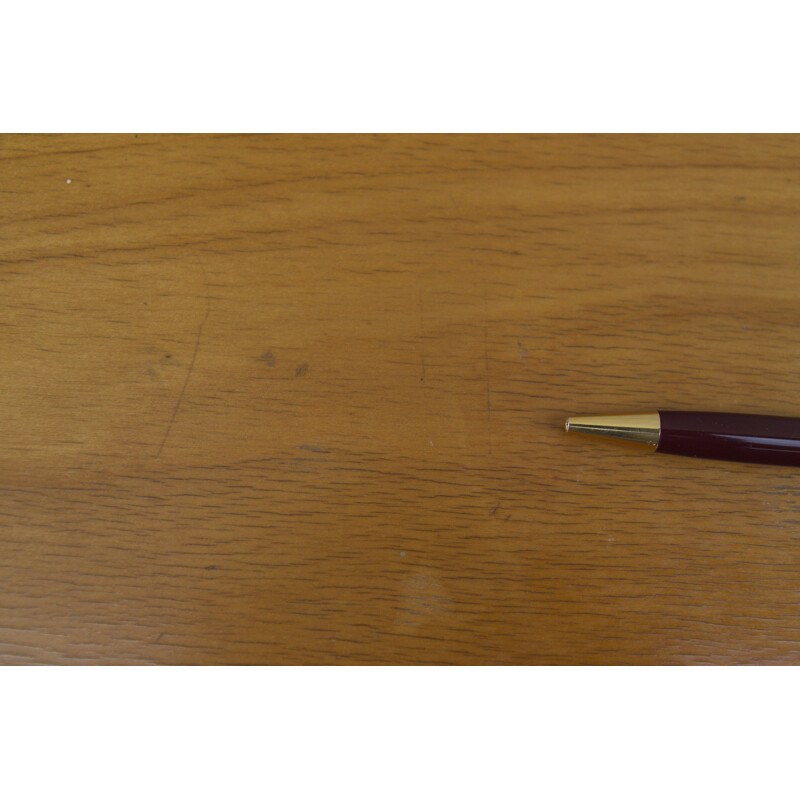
(640,428)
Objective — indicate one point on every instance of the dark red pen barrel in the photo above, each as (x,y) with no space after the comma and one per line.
(731,437)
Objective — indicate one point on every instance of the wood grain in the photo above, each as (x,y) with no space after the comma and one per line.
(299,399)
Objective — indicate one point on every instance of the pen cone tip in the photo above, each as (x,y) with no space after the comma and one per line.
(641,428)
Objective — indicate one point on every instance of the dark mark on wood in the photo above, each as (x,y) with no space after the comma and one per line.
(268,358)
(301,371)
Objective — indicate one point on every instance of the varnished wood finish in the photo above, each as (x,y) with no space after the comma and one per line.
(301,399)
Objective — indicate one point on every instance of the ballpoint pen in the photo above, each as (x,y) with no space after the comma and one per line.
(754,438)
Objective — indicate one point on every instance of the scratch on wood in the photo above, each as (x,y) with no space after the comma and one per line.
(455,205)
(185,383)
(486,365)
(422,334)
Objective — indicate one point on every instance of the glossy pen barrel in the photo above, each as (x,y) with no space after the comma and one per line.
(731,437)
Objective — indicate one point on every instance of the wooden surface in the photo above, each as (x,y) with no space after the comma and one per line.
(301,399)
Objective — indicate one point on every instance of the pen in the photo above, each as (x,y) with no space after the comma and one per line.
(753,438)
